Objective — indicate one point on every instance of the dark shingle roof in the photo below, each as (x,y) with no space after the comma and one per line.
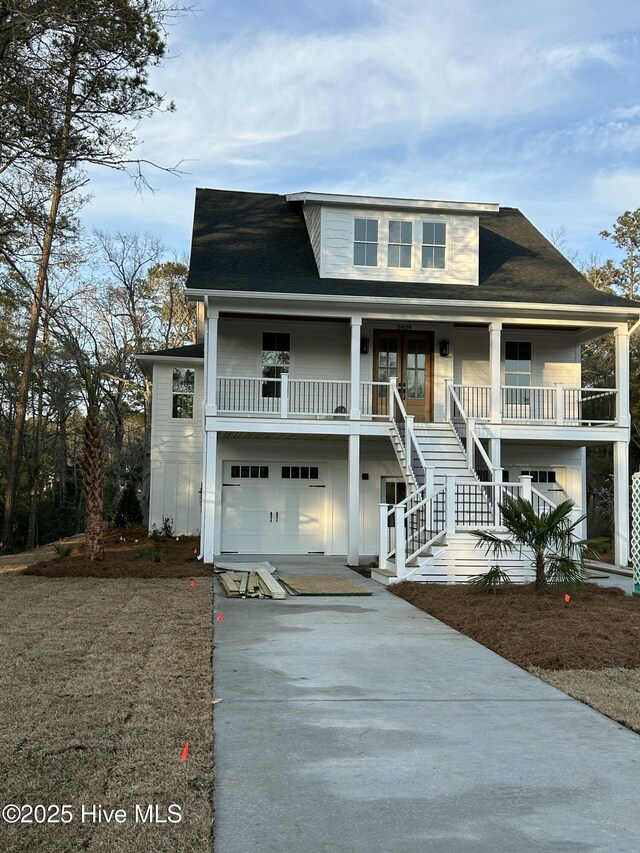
(259,242)
(189,351)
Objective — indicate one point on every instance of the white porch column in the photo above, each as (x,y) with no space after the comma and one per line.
(495,352)
(211,359)
(356,330)
(621,502)
(353,490)
(495,452)
(208,510)
(210,454)
(621,338)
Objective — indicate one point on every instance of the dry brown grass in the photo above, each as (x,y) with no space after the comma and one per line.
(101,684)
(614,692)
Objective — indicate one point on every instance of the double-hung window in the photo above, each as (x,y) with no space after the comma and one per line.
(183,390)
(365,242)
(400,243)
(434,245)
(517,372)
(276,356)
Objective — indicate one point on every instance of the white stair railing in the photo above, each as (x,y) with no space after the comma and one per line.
(465,429)
(423,519)
(413,464)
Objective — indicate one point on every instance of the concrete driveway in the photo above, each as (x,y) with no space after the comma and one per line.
(362,725)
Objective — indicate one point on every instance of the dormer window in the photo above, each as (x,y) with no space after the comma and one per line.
(400,243)
(365,242)
(434,243)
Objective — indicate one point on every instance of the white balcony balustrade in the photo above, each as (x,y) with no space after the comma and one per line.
(283,397)
(542,405)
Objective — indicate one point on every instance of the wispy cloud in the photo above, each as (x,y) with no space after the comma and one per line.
(518,103)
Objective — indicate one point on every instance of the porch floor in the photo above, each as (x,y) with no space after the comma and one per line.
(366,725)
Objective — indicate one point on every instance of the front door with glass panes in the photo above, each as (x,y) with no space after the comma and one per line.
(273,508)
(408,356)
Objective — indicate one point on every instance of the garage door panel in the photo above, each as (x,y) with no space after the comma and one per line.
(274,515)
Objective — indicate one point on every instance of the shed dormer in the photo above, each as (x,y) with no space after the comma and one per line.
(393,239)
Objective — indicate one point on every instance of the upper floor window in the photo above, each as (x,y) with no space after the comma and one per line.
(517,372)
(276,356)
(400,243)
(434,243)
(365,242)
(517,363)
(183,388)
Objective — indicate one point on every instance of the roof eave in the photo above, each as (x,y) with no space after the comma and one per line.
(622,311)
(390,203)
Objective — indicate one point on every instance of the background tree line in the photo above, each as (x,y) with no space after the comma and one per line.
(84,367)
(74,87)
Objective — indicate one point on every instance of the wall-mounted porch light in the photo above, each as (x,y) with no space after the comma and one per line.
(444,348)
(364,346)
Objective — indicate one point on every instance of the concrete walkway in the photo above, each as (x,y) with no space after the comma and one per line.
(362,725)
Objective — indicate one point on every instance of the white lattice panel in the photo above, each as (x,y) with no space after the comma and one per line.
(635,531)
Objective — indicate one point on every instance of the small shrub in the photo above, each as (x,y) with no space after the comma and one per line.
(145,552)
(156,544)
(490,581)
(165,531)
(167,527)
(63,550)
(127,511)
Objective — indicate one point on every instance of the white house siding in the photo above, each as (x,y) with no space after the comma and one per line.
(566,461)
(176,454)
(377,461)
(175,495)
(337,247)
(312,216)
(470,352)
(553,360)
(319,350)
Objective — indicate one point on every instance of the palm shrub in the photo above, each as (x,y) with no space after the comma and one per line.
(558,553)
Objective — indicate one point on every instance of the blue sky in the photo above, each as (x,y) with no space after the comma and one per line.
(534,105)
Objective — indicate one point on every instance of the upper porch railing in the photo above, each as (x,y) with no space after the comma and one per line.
(300,398)
(542,405)
(332,399)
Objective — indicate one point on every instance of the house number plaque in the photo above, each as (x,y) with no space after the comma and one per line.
(404,327)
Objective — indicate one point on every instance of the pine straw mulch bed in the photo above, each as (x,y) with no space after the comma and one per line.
(590,647)
(102,682)
(132,558)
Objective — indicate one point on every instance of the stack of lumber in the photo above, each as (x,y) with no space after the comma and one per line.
(256,584)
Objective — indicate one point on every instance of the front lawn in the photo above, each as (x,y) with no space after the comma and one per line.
(589,647)
(102,683)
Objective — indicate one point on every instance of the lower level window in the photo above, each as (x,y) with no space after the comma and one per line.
(183,389)
(249,472)
(540,476)
(299,472)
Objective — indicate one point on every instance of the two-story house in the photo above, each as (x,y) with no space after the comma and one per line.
(373,375)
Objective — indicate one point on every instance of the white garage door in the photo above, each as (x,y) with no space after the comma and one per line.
(273,508)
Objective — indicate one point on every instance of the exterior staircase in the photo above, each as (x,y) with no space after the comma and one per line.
(456,560)
(453,557)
